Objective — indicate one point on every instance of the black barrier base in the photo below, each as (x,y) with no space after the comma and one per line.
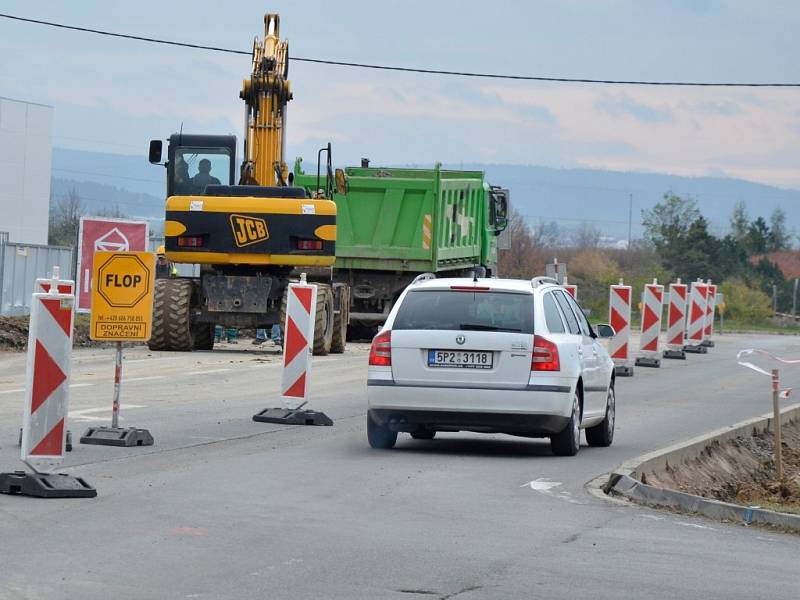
(45,485)
(117,436)
(699,349)
(679,354)
(67,445)
(707,344)
(292,417)
(644,361)
(621,371)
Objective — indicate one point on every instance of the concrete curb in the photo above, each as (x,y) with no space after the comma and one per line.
(628,480)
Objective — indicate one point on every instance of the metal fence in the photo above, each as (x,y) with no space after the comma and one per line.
(21,265)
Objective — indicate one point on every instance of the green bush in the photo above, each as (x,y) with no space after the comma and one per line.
(745,304)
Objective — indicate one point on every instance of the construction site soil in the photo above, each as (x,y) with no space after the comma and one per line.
(742,471)
(14,333)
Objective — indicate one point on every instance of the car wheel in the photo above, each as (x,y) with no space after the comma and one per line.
(602,434)
(568,441)
(423,434)
(380,436)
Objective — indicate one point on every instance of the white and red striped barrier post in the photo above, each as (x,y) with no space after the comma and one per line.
(44,430)
(571,289)
(64,286)
(676,321)
(619,316)
(695,329)
(711,306)
(649,340)
(298,345)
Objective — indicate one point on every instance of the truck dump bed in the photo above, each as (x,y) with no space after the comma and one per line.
(408,219)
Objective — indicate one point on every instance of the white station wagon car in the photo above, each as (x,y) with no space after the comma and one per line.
(494,356)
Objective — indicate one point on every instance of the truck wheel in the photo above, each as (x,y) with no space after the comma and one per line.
(203,336)
(324,321)
(172,304)
(340,324)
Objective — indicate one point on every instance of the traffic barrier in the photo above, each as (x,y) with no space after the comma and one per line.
(676,321)
(652,308)
(47,402)
(711,306)
(571,289)
(619,316)
(301,308)
(64,286)
(698,298)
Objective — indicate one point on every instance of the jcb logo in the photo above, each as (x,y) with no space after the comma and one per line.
(248,230)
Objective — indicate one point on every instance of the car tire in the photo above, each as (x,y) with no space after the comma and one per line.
(423,434)
(568,441)
(602,434)
(380,436)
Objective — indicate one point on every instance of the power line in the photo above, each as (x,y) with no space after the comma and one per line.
(406,69)
(106,175)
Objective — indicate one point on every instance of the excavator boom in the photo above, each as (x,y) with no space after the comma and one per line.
(266,94)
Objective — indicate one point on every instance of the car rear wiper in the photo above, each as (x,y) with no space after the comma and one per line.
(480,327)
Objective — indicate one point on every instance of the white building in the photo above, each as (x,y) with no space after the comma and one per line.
(26,149)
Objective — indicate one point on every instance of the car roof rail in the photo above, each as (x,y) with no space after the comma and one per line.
(423,277)
(537,281)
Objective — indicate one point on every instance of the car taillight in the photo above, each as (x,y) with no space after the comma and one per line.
(309,244)
(190,241)
(380,353)
(469,288)
(545,355)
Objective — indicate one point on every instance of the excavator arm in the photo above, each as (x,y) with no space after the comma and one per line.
(266,94)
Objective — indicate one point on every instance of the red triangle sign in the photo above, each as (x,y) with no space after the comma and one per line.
(51,443)
(47,377)
(295,341)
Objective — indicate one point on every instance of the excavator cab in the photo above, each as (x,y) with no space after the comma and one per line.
(196,161)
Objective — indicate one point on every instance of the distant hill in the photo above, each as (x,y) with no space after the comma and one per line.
(570,197)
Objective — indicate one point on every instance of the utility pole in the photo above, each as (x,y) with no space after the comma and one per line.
(630,218)
(774,299)
(794,300)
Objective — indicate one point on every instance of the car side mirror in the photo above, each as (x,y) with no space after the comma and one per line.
(154,155)
(605,331)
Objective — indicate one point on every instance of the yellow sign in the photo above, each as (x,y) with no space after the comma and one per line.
(122,296)
(248,230)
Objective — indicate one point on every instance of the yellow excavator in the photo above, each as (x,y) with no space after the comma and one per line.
(250,239)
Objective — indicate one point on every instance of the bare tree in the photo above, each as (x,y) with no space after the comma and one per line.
(65,216)
(586,236)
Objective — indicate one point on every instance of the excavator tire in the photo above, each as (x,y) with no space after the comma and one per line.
(172,301)
(340,319)
(203,336)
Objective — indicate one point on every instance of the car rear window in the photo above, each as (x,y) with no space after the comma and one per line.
(466,311)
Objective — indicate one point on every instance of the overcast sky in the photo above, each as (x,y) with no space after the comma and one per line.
(114,95)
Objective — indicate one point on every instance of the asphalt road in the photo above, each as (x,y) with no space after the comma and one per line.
(222,507)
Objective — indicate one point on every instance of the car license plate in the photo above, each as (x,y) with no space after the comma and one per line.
(460,359)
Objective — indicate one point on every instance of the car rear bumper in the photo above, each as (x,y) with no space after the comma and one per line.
(537,410)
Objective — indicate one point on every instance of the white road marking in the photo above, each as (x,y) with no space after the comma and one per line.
(14,391)
(77,385)
(208,371)
(85,415)
(541,485)
(151,378)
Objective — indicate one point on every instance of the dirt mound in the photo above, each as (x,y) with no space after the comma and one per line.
(13,333)
(742,471)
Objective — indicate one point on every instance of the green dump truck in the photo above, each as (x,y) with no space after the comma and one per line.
(394,224)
